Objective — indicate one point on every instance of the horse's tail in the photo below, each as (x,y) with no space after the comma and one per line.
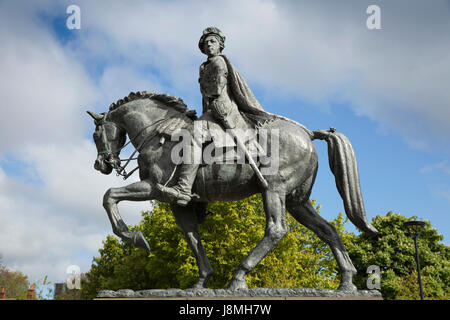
(343,165)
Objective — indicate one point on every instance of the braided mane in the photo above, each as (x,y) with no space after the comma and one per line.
(168,100)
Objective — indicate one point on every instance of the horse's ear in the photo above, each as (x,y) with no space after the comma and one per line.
(96,116)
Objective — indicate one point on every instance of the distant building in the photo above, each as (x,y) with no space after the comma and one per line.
(62,292)
(60,288)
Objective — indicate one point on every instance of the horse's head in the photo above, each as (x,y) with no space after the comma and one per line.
(109,139)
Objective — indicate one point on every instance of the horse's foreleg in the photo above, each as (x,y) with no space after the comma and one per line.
(274,207)
(305,214)
(187,219)
(138,191)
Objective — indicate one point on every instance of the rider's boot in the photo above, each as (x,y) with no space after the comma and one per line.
(182,191)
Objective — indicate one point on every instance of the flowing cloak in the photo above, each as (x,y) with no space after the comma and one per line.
(246,101)
(242,94)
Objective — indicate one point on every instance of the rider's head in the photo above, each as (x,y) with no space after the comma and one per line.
(214,32)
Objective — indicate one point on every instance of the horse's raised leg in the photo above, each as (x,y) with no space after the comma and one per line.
(304,213)
(138,191)
(274,207)
(187,219)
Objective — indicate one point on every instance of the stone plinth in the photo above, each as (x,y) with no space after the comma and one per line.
(255,293)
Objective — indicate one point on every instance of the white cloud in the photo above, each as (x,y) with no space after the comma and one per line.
(47,226)
(55,218)
(42,86)
(440,167)
(321,52)
(117,82)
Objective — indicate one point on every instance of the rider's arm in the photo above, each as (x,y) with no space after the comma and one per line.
(213,85)
(218,102)
(220,77)
(213,77)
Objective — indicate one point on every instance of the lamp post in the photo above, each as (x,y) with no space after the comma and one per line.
(415,229)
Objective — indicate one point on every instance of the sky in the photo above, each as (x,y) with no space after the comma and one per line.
(316,62)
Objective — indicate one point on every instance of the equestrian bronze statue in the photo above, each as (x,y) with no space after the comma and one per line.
(283,169)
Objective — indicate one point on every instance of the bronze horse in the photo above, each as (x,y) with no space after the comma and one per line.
(142,116)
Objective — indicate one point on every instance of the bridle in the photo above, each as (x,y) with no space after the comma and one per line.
(108,153)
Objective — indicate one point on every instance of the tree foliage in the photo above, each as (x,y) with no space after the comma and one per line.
(394,252)
(230,231)
(301,259)
(14,282)
(16,285)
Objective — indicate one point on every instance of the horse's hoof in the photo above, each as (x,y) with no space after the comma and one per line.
(347,287)
(203,280)
(139,241)
(237,285)
(199,285)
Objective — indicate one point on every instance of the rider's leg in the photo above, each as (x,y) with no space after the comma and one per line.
(182,191)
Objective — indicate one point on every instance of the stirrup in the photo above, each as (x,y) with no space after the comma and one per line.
(192,197)
(174,194)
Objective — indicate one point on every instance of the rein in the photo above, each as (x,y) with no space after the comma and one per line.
(120,170)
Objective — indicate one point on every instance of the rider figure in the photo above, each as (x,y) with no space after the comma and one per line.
(219,105)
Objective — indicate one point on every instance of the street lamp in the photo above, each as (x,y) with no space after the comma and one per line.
(415,229)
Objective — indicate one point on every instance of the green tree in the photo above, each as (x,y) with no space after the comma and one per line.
(14,282)
(230,231)
(393,251)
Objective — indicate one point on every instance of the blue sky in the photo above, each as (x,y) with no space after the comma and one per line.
(314,62)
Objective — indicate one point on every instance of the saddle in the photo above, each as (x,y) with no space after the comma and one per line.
(216,141)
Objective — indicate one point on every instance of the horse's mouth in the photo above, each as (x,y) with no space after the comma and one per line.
(102,166)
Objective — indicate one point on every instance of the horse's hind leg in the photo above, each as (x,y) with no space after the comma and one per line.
(304,213)
(187,219)
(274,207)
(139,191)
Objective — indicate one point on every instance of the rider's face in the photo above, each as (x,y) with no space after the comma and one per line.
(211,46)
